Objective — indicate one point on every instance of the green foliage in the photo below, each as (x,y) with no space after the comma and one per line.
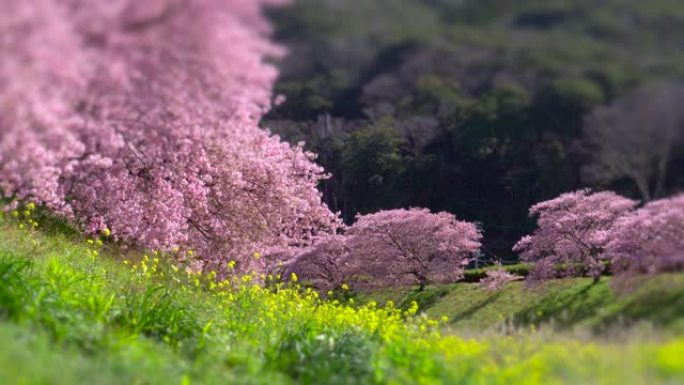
(495,123)
(370,161)
(331,357)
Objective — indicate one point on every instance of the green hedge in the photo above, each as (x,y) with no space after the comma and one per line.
(476,275)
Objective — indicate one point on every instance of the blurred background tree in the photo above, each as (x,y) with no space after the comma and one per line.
(481,107)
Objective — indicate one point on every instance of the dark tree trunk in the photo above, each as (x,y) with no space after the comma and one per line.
(422,281)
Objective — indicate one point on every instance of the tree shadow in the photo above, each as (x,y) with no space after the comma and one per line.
(565,309)
(659,306)
(469,312)
(424,298)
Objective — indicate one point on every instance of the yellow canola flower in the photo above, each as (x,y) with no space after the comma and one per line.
(293,277)
(106,232)
(31,206)
(345,286)
(256,255)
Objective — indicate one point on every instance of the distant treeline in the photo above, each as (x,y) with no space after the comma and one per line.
(484,107)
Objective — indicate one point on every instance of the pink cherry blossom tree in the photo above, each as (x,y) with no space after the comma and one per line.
(394,244)
(141,117)
(326,265)
(649,240)
(497,278)
(573,231)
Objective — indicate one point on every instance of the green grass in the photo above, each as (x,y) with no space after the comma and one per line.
(72,312)
(564,305)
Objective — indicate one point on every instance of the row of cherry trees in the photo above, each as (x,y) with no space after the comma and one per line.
(582,233)
(586,233)
(140,118)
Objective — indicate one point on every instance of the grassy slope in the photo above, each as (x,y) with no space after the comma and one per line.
(68,316)
(562,304)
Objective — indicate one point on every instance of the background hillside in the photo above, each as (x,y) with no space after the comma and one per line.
(478,107)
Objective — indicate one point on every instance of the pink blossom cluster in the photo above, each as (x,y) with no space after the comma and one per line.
(586,233)
(326,265)
(403,246)
(141,117)
(573,230)
(497,278)
(416,243)
(650,239)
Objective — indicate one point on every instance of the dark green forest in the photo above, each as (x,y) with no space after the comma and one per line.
(483,107)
